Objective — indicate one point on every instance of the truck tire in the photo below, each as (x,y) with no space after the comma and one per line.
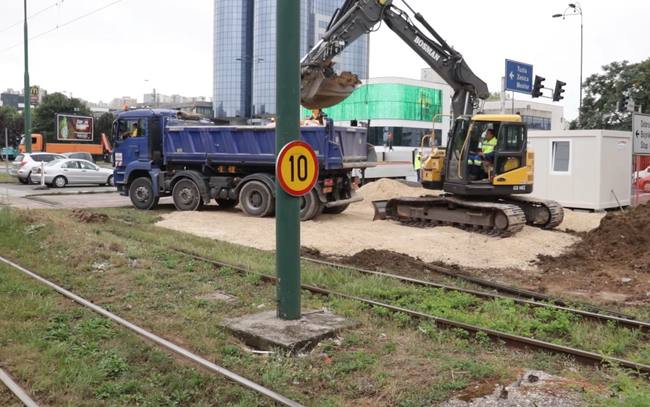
(256,199)
(310,206)
(335,210)
(186,195)
(142,194)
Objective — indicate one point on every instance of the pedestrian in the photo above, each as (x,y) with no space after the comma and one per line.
(389,140)
(417,164)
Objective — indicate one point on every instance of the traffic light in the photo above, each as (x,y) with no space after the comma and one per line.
(622,103)
(538,86)
(557,93)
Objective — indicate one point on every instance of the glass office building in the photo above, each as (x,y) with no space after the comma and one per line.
(232,54)
(244,67)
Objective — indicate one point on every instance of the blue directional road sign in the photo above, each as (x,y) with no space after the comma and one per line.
(519,77)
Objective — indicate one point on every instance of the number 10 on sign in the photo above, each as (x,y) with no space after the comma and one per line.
(297,168)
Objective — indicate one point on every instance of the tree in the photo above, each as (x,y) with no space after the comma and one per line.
(56,103)
(12,120)
(104,124)
(604,93)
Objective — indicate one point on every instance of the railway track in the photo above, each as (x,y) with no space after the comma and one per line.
(593,314)
(161,342)
(512,339)
(15,388)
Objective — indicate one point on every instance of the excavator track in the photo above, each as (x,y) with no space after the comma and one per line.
(541,213)
(492,218)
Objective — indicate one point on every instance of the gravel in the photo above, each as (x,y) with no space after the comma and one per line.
(354,230)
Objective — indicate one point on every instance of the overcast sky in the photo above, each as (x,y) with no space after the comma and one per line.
(169,43)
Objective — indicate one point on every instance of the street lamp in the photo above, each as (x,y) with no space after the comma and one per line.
(575,9)
(155,101)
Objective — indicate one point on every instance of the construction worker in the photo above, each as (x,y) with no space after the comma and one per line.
(417,163)
(487,150)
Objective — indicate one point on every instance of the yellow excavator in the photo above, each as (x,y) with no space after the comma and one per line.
(482,191)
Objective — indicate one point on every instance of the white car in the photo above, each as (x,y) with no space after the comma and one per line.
(70,171)
(25,163)
(642,174)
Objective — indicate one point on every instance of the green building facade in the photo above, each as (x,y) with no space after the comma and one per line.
(388,101)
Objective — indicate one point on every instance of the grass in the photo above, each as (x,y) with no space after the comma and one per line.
(7,179)
(78,358)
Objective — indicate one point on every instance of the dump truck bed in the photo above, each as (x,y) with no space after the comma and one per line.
(335,147)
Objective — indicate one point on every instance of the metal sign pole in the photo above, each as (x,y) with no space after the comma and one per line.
(287,213)
(7,150)
(26,111)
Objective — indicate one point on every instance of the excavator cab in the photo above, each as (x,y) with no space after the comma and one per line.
(507,170)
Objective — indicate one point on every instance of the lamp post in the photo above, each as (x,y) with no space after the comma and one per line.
(576,9)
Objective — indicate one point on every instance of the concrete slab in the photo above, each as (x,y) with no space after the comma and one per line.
(265,331)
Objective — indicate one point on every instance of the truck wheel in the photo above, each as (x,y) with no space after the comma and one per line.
(141,194)
(255,199)
(310,206)
(186,195)
(336,209)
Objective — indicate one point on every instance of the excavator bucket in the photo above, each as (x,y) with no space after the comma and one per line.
(323,88)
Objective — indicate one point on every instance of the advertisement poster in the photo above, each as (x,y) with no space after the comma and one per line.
(74,128)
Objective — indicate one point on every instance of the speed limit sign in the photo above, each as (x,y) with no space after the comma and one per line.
(297,168)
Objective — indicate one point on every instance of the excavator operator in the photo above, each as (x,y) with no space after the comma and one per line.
(487,150)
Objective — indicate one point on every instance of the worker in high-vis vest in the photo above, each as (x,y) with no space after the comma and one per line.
(487,150)
(417,164)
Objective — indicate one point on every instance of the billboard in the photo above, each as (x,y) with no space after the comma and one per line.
(74,128)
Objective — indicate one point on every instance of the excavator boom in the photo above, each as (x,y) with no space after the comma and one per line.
(322,87)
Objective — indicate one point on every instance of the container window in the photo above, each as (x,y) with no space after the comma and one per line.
(561,157)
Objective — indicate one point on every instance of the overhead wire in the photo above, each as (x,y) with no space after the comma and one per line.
(58,26)
(9,27)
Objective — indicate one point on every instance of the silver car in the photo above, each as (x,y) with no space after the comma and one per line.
(25,163)
(69,171)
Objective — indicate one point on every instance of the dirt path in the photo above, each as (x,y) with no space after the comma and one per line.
(354,231)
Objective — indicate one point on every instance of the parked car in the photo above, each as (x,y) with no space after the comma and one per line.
(643,184)
(25,163)
(69,171)
(8,153)
(80,156)
(641,174)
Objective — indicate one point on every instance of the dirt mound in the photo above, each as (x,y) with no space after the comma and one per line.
(620,241)
(611,262)
(85,216)
(387,188)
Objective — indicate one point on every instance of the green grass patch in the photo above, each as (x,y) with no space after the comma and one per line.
(392,357)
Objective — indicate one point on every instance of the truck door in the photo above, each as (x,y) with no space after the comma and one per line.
(133,140)
(155,139)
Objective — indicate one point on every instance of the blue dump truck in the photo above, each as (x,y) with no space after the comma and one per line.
(161,153)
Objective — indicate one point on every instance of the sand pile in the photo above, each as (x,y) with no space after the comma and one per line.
(387,188)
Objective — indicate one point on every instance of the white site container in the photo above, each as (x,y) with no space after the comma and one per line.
(586,169)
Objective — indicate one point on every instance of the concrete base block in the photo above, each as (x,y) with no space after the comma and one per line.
(266,331)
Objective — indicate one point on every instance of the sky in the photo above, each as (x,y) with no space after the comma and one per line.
(133,46)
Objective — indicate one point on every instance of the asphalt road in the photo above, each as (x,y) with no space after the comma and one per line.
(31,196)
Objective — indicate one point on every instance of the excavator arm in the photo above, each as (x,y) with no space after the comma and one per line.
(322,87)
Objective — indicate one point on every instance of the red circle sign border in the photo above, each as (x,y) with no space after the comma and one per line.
(283,152)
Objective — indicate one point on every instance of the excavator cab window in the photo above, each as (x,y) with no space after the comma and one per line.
(510,152)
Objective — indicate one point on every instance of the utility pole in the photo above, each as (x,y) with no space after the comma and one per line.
(287,218)
(26,112)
